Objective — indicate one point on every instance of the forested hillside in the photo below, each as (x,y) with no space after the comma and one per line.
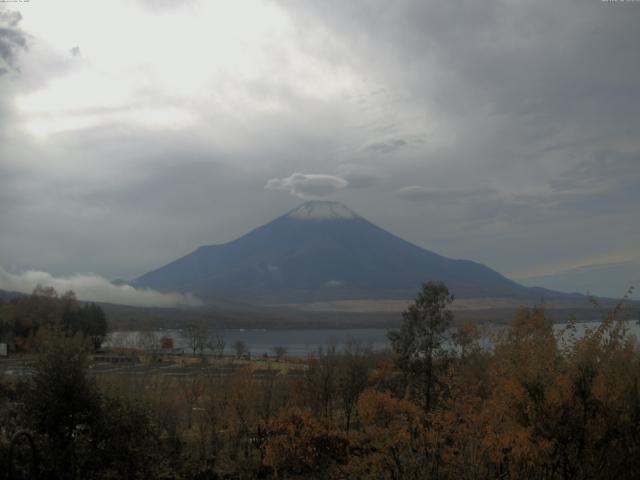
(536,405)
(26,320)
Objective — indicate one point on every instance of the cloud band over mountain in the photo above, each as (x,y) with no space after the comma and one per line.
(89,287)
(304,185)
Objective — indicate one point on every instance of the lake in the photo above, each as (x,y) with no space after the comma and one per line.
(298,342)
(301,342)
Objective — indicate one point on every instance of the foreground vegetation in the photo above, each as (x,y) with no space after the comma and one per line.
(533,406)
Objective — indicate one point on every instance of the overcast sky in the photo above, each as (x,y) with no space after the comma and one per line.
(506,132)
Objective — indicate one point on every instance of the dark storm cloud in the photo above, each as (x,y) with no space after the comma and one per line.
(388,146)
(12,39)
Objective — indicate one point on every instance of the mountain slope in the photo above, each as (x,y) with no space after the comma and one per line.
(321,251)
(7,295)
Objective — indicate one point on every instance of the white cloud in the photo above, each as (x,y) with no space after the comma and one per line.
(414,192)
(630,256)
(304,185)
(89,287)
(192,61)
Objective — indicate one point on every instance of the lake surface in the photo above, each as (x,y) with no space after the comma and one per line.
(302,342)
(298,342)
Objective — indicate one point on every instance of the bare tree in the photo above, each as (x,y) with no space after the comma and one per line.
(321,379)
(353,377)
(240,348)
(147,339)
(197,335)
(217,342)
(279,351)
(268,385)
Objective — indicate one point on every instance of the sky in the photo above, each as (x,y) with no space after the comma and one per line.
(506,132)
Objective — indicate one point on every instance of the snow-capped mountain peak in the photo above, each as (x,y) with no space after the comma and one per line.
(320,251)
(322,210)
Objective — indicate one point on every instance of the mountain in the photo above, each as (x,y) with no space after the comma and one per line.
(323,251)
(7,295)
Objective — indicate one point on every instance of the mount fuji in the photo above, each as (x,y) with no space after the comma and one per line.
(323,251)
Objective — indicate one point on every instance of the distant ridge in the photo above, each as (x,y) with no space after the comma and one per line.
(324,251)
(7,295)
